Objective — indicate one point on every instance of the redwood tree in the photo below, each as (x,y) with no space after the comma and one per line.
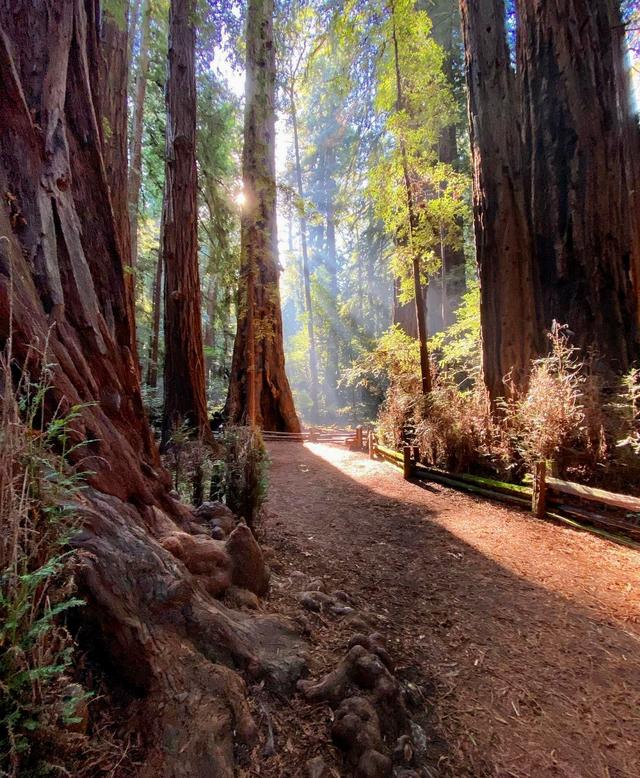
(135,168)
(62,283)
(577,120)
(511,334)
(259,389)
(184,383)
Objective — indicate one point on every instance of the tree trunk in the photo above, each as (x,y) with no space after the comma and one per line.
(184,386)
(135,170)
(511,336)
(331,263)
(445,17)
(259,389)
(154,345)
(132,19)
(452,257)
(583,181)
(114,70)
(210,332)
(62,283)
(313,358)
(421,318)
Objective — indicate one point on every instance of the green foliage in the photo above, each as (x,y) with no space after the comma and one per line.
(37,485)
(628,409)
(393,361)
(458,347)
(246,466)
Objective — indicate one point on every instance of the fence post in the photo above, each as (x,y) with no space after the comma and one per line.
(371,444)
(312,434)
(358,439)
(539,495)
(407,465)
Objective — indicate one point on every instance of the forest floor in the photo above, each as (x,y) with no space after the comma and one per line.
(523,636)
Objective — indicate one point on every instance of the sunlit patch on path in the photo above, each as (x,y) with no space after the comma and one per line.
(530,631)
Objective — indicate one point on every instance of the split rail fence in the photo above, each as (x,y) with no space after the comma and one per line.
(606,513)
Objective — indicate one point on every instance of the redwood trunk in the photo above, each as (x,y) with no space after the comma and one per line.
(62,283)
(114,73)
(184,384)
(135,169)
(404,314)
(583,179)
(258,373)
(154,345)
(451,283)
(511,335)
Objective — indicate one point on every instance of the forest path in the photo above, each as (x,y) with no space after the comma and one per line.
(529,632)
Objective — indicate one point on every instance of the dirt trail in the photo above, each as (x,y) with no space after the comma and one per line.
(524,634)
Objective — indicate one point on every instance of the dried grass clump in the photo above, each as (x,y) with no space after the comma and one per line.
(453,426)
(551,416)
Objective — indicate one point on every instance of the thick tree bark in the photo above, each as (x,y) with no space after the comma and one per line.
(114,72)
(577,111)
(313,358)
(450,285)
(135,169)
(511,335)
(154,345)
(184,385)
(259,389)
(62,284)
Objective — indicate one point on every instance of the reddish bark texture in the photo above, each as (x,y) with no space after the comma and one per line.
(577,120)
(114,72)
(258,354)
(62,282)
(511,333)
(184,386)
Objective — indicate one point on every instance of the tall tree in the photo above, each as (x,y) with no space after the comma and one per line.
(412,223)
(259,390)
(306,275)
(63,302)
(184,383)
(511,335)
(578,120)
(450,282)
(114,72)
(135,168)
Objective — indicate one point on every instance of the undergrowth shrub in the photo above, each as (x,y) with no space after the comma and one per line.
(193,464)
(551,416)
(246,467)
(453,427)
(39,704)
(568,414)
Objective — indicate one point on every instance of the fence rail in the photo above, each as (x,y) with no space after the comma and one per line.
(546,497)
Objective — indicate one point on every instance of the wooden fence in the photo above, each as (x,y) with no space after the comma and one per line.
(608,513)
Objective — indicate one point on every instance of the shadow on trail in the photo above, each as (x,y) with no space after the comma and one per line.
(528,682)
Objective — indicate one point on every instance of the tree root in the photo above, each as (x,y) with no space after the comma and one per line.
(175,646)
